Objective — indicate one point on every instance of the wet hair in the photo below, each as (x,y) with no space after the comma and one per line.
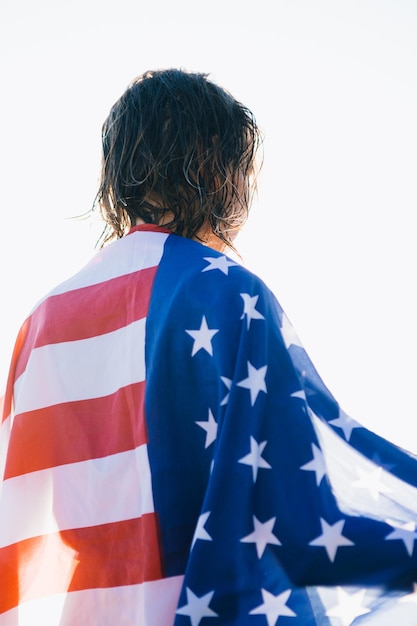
(177,150)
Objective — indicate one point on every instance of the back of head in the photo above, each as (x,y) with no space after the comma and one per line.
(178,150)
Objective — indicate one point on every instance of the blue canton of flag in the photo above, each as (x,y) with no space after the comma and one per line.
(305,516)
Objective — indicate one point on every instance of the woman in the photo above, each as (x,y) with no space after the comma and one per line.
(171,455)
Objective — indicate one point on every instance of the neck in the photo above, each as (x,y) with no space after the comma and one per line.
(205,235)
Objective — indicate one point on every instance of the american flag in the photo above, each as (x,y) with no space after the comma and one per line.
(170,457)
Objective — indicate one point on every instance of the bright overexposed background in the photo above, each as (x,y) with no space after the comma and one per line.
(333,85)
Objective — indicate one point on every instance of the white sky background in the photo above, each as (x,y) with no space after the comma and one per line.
(333,84)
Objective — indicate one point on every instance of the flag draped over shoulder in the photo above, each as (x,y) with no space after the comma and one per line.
(170,457)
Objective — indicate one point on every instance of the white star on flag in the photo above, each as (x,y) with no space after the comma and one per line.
(202,337)
(255,381)
(221,263)
(197,608)
(262,535)
(274,607)
(200,532)
(371,481)
(316,465)
(288,333)
(249,308)
(406,532)
(210,427)
(346,423)
(254,458)
(331,538)
(349,606)
(228,383)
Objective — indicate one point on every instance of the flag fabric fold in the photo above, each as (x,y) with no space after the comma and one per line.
(171,457)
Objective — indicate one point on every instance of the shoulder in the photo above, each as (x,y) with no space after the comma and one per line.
(194,280)
(189,262)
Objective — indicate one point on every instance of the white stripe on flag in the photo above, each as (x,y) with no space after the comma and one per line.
(83,369)
(114,488)
(151,603)
(125,256)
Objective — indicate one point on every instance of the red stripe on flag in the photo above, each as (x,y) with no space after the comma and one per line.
(77,431)
(5,406)
(111,555)
(7,403)
(87,312)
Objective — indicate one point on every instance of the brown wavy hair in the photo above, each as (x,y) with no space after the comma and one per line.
(178,150)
